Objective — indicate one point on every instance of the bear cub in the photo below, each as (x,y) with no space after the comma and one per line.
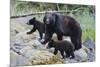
(37,25)
(64,47)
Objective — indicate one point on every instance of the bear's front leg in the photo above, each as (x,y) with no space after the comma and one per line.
(33,30)
(40,36)
(59,36)
(29,32)
(47,38)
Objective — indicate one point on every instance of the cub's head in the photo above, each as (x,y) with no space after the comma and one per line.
(31,21)
(50,44)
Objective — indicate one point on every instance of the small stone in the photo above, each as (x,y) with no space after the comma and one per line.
(81,55)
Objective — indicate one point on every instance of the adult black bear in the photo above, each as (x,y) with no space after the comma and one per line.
(62,46)
(62,26)
(37,25)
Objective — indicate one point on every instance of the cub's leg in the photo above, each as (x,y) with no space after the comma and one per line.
(72,55)
(62,53)
(33,30)
(67,54)
(55,51)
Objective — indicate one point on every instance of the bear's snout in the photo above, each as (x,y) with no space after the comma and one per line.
(47,21)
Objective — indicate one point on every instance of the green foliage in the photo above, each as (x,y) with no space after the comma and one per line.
(87,23)
(24,7)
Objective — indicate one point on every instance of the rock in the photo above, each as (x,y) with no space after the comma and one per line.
(36,44)
(17,27)
(15,50)
(81,55)
(27,51)
(91,56)
(19,46)
(89,43)
(51,50)
(22,38)
(30,56)
(90,52)
(37,57)
(67,60)
(17,60)
(85,49)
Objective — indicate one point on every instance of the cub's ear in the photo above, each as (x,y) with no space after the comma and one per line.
(34,18)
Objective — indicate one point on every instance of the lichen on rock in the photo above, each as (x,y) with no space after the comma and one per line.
(44,57)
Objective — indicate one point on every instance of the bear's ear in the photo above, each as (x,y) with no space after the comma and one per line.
(34,18)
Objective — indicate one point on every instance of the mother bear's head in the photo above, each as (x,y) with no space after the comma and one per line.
(50,19)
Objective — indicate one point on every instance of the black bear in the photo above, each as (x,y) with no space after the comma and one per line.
(63,47)
(37,25)
(62,26)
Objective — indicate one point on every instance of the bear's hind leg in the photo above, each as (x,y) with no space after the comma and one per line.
(77,42)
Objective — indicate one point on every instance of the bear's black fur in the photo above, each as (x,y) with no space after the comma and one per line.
(62,26)
(37,25)
(62,46)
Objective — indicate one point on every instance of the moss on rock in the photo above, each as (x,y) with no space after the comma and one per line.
(44,57)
